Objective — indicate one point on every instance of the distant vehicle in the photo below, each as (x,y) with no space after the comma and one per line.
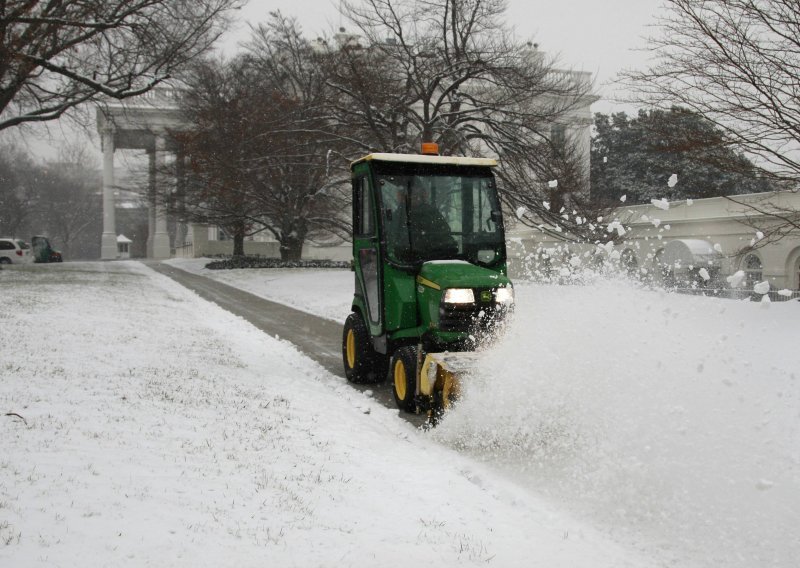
(14,251)
(43,251)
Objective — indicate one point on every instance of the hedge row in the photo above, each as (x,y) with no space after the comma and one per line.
(263,262)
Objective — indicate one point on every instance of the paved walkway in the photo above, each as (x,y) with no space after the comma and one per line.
(318,338)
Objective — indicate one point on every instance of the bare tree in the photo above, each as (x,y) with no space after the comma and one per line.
(259,155)
(446,71)
(16,176)
(770,216)
(68,206)
(55,55)
(452,72)
(737,63)
(58,199)
(220,107)
(301,180)
(547,187)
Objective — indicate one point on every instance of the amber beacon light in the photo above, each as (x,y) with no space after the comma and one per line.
(430,148)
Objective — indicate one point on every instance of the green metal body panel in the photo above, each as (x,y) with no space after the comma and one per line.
(455,274)
(400,299)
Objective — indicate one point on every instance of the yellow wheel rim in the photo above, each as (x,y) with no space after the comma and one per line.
(351,348)
(400,379)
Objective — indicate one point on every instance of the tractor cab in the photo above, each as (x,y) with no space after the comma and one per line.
(429,259)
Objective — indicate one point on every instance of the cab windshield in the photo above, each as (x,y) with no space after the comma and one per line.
(440,213)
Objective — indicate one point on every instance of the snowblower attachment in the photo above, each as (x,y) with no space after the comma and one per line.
(441,377)
(429,259)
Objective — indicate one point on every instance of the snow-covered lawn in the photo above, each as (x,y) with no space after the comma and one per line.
(142,426)
(671,422)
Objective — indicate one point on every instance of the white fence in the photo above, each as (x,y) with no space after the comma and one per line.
(342,252)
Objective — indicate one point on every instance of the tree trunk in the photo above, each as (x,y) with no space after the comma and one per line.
(291,248)
(238,243)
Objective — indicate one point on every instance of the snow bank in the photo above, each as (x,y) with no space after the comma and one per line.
(670,420)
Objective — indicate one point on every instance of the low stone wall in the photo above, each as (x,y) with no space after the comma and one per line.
(342,252)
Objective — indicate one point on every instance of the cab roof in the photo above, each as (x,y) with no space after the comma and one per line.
(425,159)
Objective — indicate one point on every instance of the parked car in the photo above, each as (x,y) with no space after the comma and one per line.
(43,251)
(15,251)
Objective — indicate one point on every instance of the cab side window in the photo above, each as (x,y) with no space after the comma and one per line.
(363,217)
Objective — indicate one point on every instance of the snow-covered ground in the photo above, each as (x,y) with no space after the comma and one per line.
(142,426)
(672,422)
(611,426)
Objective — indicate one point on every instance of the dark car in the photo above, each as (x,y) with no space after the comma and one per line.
(43,251)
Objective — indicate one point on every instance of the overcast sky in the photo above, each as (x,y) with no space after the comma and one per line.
(601,36)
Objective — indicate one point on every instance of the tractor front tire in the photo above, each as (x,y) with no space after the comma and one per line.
(403,374)
(362,364)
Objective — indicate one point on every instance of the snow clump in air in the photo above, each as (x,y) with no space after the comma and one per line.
(673,180)
(761,287)
(704,274)
(616,226)
(736,279)
(660,203)
(552,184)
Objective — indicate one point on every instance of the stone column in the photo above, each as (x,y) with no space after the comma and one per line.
(108,242)
(151,201)
(161,236)
(199,239)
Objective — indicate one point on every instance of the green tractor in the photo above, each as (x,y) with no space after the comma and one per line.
(431,282)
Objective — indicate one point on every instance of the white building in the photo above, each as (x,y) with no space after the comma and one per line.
(674,241)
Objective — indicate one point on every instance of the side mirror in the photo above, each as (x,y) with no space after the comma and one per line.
(496,217)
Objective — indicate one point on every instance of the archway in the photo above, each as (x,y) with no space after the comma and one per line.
(753,269)
(793,269)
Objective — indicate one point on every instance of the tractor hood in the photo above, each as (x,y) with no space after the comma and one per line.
(441,274)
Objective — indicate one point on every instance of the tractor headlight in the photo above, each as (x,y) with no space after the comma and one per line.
(459,296)
(504,295)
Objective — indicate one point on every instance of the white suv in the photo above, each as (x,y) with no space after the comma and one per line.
(14,251)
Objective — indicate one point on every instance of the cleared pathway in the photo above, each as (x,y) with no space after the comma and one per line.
(318,338)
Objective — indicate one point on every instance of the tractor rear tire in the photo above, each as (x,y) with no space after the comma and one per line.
(403,374)
(362,364)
